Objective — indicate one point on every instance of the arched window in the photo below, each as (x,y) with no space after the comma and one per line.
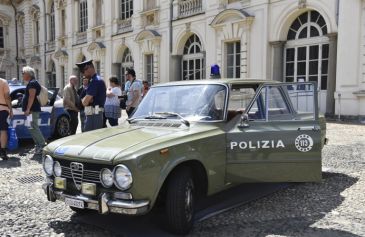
(52,24)
(307,25)
(193,59)
(127,62)
(307,50)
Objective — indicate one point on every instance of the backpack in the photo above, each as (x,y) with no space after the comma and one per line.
(43,96)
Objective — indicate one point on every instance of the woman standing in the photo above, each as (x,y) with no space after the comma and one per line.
(112,105)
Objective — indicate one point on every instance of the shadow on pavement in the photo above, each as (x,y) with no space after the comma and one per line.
(319,199)
(291,213)
(11,163)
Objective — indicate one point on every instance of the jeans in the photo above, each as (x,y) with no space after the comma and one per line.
(35,132)
(74,121)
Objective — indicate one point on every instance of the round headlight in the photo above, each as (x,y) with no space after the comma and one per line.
(48,165)
(106,178)
(122,177)
(57,170)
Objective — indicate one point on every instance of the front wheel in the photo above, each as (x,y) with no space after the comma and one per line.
(180,201)
(62,128)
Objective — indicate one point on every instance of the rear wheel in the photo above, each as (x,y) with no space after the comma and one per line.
(62,128)
(180,200)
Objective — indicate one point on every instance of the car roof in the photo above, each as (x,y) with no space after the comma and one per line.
(226,81)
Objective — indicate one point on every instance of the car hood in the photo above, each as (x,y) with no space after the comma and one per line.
(106,144)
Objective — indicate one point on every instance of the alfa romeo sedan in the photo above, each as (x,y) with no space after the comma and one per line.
(188,140)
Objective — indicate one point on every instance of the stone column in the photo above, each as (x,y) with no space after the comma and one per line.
(331,80)
(277,60)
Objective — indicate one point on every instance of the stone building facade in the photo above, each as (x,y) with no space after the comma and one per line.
(167,40)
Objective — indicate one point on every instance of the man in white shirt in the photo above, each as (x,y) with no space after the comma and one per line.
(134,91)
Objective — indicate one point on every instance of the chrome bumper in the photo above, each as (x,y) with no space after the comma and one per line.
(104,205)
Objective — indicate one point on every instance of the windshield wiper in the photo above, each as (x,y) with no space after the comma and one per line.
(183,120)
(154,116)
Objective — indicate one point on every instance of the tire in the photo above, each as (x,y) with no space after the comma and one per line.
(180,200)
(62,128)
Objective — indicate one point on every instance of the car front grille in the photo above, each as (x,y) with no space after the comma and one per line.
(85,176)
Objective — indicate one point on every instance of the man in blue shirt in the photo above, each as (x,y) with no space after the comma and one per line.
(95,96)
(32,108)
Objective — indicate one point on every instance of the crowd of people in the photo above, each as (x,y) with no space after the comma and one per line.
(100,105)
(94,102)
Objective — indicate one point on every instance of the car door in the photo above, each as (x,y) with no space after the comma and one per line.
(279,137)
(19,119)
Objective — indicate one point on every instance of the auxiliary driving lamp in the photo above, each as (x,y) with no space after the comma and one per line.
(88,189)
(60,183)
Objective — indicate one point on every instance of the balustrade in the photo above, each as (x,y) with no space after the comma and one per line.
(190,7)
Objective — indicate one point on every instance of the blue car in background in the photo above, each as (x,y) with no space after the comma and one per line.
(54,120)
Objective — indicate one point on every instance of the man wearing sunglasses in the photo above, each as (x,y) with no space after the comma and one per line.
(95,97)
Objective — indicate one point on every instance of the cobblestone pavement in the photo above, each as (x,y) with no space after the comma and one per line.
(335,207)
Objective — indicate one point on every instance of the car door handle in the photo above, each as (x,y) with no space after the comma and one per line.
(309,128)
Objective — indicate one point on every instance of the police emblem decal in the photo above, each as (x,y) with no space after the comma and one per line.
(304,143)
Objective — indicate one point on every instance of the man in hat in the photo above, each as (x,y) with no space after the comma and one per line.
(95,96)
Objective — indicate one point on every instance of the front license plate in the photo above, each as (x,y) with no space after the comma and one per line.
(74,203)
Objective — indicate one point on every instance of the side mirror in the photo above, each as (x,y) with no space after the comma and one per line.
(244,121)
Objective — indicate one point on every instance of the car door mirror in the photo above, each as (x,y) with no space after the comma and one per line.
(244,121)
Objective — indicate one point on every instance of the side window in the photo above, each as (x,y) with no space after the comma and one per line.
(239,100)
(302,100)
(270,105)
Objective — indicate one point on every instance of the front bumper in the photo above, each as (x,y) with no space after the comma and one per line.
(104,204)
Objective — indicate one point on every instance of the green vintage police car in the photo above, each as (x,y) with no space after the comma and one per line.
(187,140)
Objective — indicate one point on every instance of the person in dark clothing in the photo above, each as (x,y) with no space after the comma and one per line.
(95,96)
(82,93)
(32,108)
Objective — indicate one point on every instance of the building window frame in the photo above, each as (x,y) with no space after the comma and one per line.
(193,59)
(83,17)
(36,33)
(233,59)
(125,9)
(127,62)
(149,65)
(306,53)
(63,21)
(52,23)
(2,38)
(52,77)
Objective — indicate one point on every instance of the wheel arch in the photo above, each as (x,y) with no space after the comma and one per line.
(200,178)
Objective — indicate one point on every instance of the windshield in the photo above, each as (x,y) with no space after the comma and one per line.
(191,102)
